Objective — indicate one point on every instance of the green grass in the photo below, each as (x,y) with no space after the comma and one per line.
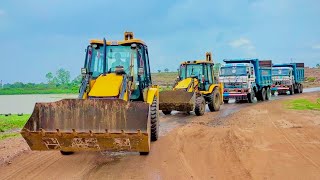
(8,135)
(14,91)
(304,104)
(12,122)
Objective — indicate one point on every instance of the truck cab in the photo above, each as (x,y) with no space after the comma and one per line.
(245,79)
(287,77)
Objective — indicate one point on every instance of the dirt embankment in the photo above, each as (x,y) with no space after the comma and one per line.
(263,141)
(312,77)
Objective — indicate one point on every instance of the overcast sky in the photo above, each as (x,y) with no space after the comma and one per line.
(39,36)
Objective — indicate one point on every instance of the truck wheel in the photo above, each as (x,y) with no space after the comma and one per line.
(144,153)
(226,101)
(65,153)
(251,97)
(166,112)
(263,94)
(214,101)
(200,106)
(272,93)
(301,88)
(291,90)
(268,94)
(154,120)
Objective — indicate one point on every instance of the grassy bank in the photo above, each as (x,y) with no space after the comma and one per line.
(10,125)
(14,91)
(304,104)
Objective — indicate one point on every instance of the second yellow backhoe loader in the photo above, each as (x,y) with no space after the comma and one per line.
(195,87)
(117,108)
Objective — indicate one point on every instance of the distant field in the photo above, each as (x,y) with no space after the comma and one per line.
(163,79)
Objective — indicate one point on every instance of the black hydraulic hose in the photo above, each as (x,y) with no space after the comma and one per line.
(104,56)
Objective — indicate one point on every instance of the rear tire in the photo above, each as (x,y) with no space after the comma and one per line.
(301,88)
(154,120)
(268,94)
(200,106)
(66,153)
(166,112)
(263,94)
(226,101)
(214,101)
(251,97)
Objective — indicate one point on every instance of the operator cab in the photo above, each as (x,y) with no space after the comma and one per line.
(128,57)
(202,70)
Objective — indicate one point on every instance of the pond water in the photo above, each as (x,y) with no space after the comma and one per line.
(25,103)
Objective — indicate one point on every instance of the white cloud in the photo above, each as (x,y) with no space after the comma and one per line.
(316,46)
(245,45)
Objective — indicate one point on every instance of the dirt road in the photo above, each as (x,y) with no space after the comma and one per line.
(261,141)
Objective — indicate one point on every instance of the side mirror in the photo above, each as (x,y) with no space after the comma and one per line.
(140,71)
(83,71)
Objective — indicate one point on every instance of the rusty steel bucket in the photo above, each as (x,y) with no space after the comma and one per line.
(179,100)
(89,125)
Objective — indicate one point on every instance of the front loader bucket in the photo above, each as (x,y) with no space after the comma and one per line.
(179,100)
(89,125)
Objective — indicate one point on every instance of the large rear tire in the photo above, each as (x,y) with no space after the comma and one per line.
(268,94)
(251,97)
(166,112)
(66,153)
(200,106)
(214,101)
(263,94)
(154,112)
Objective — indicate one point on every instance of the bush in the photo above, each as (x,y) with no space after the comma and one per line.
(311,79)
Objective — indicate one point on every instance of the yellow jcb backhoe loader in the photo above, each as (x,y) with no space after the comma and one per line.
(117,108)
(195,87)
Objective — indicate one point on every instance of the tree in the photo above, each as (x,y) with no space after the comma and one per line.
(159,71)
(166,70)
(49,77)
(318,65)
(62,77)
(77,81)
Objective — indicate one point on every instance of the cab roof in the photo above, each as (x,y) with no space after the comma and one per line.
(121,42)
(208,60)
(128,39)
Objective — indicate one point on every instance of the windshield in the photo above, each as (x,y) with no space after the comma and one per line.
(280,72)
(191,70)
(234,71)
(116,56)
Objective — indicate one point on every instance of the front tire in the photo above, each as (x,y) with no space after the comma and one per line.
(251,97)
(200,106)
(291,90)
(154,112)
(214,102)
(166,112)
(66,153)
(226,101)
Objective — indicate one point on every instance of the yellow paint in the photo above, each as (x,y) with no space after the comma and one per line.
(183,84)
(211,88)
(152,92)
(106,86)
(129,41)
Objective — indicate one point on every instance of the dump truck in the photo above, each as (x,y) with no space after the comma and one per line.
(287,77)
(246,79)
(195,87)
(117,108)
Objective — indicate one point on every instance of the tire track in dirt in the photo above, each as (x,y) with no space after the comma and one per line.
(285,136)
